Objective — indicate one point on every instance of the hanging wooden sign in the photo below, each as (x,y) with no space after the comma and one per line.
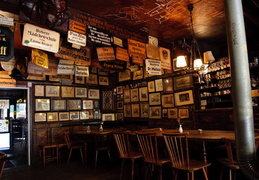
(82,71)
(76,38)
(6,44)
(122,54)
(137,50)
(77,26)
(105,53)
(52,70)
(66,67)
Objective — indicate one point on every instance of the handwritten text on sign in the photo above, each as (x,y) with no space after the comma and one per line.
(40,38)
(153,67)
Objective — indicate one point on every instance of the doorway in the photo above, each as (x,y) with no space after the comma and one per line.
(15,126)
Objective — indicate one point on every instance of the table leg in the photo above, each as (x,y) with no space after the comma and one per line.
(85,153)
(204,153)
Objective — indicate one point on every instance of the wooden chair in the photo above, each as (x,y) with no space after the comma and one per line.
(48,152)
(177,147)
(148,144)
(3,158)
(125,150)
(73,145)
(102,143)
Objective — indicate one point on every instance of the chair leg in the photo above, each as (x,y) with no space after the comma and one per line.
(69,156)
(96,156)
(221,172)
(205,173)
(192,174)
(160,173)
(132,169)
(109,155)
(82,157)
(175,171)
(122,166)
(230,174)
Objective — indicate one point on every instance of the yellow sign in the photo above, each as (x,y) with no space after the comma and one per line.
(137,49)
(77,26)
(122,54)
(152,51)
(39,58)
(105,53)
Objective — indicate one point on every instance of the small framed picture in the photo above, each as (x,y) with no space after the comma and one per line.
(88,104)
(168,85)
(103,80)
(80,92)
(63,116)
(52,116)
(119,90)
(159,84)
(103,72)
(151,86)
(172,113)
(42,104)
(40,117)
(138,74)
(119,104)
(165,113)
(154,99)
(74,115)
(134,95)
(127,110)
(67,91)
(97,115)
(59,105)
(79,79)
(135,110)
(93,70)
(84,115)
(125,75)
(155,112)
(74,104)
(183,82)
(184,98)
(39,90)
(119,116)
(183,113)
(91,79)
(143,94)
(126,94)
(168,100)
(93,93)
(144,110)
(108,117)
(96,104)
(52,91)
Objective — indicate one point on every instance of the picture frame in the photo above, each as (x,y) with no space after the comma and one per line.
(184,98)
(42,104)
(168,100)
(74,115)
(127,110)
(103,72)
(91,114)
(93,69)
(138,74)
(119,116)
(96,104)
(40,117)
(154,99)
(91,79)
(52,116)
(143,94)
(59,105)
(108,117)
(87,104)
(119,104)
(183,82)
(93,94)
(81,92)
(59,77)
(159,85)
(135,110)
(39,90)
(168,85)
(84,115)
(79,80)
(97,115)
(74,104)
(165,113)
(63,116)
(134,95)
(119,90)
(183,113)
(52,91)
(67,91)
(155,112)
(125,75)
(126,94)
(104,80)
(151,86)
(144,110)
(172,113)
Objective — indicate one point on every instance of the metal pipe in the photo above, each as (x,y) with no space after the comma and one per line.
(241,89)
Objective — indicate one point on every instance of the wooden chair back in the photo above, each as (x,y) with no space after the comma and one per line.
(123,144)
(177,147)
(102,140)
(67,139)
(3,158)
(148,144)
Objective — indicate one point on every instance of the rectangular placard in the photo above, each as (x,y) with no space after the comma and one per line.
(98,36)
(105,53)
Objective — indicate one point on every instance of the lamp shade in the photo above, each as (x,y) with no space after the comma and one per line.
(180,61)
(208,57)
(197,63)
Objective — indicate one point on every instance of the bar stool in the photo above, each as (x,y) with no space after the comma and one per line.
(3,158)
(48,152)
